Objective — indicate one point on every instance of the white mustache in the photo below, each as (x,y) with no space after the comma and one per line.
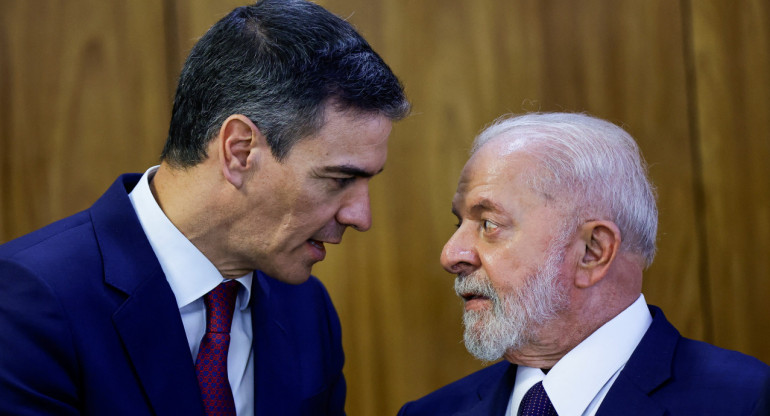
(475,284)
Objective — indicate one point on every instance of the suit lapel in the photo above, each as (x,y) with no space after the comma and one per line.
(626,398)
(494,395)
(647,369)
(148,321)
(276,364)
(152,332)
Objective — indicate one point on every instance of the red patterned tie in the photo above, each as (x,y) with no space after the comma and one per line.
(536,402)
(211,365)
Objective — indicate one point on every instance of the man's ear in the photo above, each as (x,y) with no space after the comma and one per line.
(241,144)
(601,243)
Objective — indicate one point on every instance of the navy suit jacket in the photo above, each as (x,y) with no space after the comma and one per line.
(667,374)
(89,324)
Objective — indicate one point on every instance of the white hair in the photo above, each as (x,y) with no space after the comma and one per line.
(591,166)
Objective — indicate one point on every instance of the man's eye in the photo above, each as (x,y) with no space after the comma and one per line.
(343,182)
(488,225)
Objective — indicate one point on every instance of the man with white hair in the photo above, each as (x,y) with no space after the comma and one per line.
(556,223)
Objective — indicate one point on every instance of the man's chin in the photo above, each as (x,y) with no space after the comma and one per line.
(482,350)
(477,317)
(487,338)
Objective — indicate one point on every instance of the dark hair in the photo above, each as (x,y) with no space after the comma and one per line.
(280,63)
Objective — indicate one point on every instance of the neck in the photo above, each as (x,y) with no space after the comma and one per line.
(587,311)
(553,340)
(190,200)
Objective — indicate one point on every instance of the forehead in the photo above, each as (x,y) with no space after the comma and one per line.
(495,179)
(346,138)
(354,127)
(495,163)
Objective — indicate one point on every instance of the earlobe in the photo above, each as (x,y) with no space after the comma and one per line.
(601,240)
(241,143)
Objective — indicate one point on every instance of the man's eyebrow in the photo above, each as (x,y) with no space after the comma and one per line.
(482,205)
(351,170)
(486,205)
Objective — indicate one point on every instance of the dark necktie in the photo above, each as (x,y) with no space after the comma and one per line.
(211,365)
(536,402)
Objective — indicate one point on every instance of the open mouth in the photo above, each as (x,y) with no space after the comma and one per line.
(473,296)
(317,244)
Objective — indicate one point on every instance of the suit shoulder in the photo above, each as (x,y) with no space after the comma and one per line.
(59,242)
(706,361)
(703,375)
(461,394)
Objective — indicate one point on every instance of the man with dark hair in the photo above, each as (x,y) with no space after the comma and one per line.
(187,290)
(557,221)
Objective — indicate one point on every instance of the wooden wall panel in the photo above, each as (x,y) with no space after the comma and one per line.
(84,97)
(732,70)
(86,90)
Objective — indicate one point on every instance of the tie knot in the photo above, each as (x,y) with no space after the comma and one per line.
(220,303)
(536,402)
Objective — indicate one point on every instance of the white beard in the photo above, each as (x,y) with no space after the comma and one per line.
(512,322)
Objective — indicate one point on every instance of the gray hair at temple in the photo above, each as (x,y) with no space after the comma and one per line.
(590,166)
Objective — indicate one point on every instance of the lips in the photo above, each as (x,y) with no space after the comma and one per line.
(317,249)
(475,301)
(476,291)
(472,296)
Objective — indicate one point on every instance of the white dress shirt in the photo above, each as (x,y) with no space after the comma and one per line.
(578,382)
(191,275)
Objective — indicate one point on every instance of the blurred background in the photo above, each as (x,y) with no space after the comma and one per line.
(86,88)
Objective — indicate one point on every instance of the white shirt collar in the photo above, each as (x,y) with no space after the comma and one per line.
(526,377)
(189,273)
(584,372)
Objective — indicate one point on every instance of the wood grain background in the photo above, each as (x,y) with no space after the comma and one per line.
(86,89)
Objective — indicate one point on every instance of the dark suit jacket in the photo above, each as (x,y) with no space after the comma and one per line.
(89,324)
(666,375)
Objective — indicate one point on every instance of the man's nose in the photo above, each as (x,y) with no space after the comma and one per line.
(459,254)
(356,209)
